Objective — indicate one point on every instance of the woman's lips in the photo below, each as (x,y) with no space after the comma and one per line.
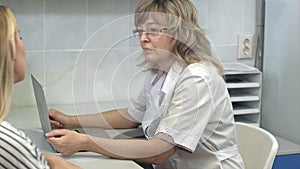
(147,49)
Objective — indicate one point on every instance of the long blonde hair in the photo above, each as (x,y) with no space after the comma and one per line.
(8,28)
(181,17)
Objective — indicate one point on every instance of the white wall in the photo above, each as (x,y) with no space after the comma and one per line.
(56,31)
(281,81)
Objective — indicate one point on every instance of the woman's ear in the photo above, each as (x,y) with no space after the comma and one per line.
(12,46)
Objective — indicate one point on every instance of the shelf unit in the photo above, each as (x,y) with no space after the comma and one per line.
(244,87)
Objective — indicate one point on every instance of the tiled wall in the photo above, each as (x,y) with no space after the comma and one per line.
(81,50)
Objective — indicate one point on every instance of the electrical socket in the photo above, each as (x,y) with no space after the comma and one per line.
(245,46)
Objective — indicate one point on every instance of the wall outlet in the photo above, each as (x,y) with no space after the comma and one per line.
(245,46)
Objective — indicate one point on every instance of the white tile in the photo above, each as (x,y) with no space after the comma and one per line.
(114,34)
(132,5)
(59,71)
(115,75)
(29,15)
(225,20)
(249,16)
(94,76)
(103,12)
(80,79)
(108,23)
(65,24)
(201,6)
(108,73)
(225,53)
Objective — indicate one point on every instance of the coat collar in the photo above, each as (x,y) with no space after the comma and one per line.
(172,77)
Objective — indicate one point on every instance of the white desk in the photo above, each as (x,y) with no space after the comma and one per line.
(27,118)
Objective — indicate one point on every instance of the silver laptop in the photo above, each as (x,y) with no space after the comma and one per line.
(41,104)
(39,138)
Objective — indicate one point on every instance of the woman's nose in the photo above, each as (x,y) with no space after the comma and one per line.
(144,38)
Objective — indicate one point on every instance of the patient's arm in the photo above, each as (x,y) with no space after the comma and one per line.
(117,119)
(153,151)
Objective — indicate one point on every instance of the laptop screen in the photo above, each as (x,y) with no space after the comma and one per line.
(41,104)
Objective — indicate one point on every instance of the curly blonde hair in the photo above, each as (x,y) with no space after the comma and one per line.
(190,43)
(8,27)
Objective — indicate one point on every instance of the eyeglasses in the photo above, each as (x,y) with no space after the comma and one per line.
(151,32)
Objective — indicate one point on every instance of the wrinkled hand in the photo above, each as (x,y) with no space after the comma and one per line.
(65,141)
(59,120)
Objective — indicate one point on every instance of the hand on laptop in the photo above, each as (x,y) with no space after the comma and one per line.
(66,142)
(59,120)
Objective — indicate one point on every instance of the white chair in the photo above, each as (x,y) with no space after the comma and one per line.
(257,146)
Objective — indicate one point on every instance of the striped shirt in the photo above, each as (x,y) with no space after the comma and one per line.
(18,151)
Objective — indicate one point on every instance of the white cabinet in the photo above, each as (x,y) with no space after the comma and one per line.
(244,86)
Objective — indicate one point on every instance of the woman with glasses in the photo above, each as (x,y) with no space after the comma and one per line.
(184,107)
(16,149)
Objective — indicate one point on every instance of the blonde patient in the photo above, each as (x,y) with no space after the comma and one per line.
(17,150)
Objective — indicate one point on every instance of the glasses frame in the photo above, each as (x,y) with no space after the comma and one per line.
(150,32)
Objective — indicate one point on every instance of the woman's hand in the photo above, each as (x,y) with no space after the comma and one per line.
(66,142)
(56,162)
(59,120)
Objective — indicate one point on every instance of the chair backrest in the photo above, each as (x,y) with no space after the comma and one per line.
(257,146)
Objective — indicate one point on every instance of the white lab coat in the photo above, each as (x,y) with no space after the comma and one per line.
(191,106)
